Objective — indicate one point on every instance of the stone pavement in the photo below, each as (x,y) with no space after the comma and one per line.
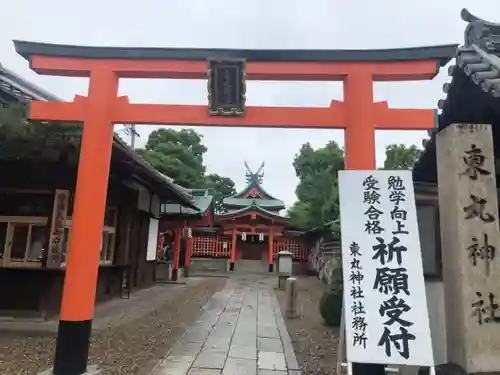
(240,332)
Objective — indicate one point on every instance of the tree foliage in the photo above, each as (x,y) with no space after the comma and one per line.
(24,139)
(317,191)
(220,187)
(179,155)
(399,156)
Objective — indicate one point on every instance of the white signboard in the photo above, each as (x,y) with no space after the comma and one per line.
(385,310)
(152,240)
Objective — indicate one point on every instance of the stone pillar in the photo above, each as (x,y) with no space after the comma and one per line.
(469,236)
(291,290)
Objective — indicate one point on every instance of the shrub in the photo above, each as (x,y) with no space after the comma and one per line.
(330,308)
(330,305)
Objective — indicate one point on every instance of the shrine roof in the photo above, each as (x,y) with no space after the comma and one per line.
(262,198)
(243,202)
(254,193)
(473,94)
(20,89)
(203,203)
(253,208)
(441,53)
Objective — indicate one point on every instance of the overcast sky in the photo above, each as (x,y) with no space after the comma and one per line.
(256,24)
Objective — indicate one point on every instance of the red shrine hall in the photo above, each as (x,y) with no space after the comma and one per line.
(252,219)
(249,227)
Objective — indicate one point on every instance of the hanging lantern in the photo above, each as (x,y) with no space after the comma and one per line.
(261,237)
(224,245)
(190,233)
(243,236)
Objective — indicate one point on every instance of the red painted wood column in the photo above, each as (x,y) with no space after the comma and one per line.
(233,249)
(189,251)
(271,249)
(177,251)
(80,280)
(359,131)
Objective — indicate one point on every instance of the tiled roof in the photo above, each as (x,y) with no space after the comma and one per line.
(21,89)
(203,203)
(252,208)
(473,90)
(243,202)
(479,57)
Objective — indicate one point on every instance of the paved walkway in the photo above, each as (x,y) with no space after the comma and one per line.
(240,332)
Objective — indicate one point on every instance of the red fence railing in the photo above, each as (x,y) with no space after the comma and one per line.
(220,247)
(211,247)
(300,252)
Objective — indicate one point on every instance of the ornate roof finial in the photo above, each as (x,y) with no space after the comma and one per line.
(254,177)
(481,33)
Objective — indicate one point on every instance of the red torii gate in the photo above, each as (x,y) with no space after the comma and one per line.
(102,108)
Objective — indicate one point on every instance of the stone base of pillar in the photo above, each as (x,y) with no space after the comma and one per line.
(175,274)
(186,271)
(91,370)
(271,267)
(231,266)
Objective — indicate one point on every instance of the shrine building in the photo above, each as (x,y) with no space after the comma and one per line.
(250,227)
(36,212)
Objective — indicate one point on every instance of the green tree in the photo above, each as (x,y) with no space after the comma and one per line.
(399,156)
(24,139)
(177,154)
(317,191)
(220,187)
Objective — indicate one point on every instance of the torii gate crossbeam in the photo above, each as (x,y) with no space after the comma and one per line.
(358,115)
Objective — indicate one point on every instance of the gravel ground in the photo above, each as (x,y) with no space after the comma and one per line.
(134,347)
(315,344)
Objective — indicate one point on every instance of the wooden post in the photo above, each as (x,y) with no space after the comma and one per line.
(468,211)
(189,250)
(291,298)
(271,249)
(233,250)
(359,131)
(177,250)
(80,281)
(341,349)
(56,238)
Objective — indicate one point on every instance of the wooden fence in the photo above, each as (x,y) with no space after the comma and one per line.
(300,252)
(211,247)
(217,247)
